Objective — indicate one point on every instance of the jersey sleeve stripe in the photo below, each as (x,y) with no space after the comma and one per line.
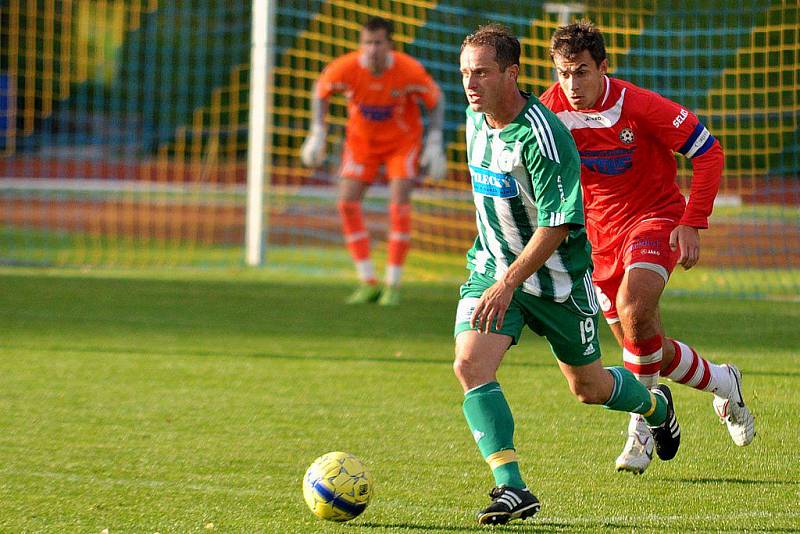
(698,130)
(535,129)
(557,219)
(548,132)
(698,143)
(702,149)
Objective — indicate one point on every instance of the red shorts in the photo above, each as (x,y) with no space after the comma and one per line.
(647,247)
(361,162)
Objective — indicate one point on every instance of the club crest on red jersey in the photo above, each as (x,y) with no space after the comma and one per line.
(626,136)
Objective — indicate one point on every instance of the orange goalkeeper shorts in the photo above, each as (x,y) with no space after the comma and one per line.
(360,161)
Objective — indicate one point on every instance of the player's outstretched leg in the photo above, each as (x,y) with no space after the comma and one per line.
(655,405)
(724,381)
(667,435)
(508,503)
(492,425)
(638,451)
(643,359)
(733,412)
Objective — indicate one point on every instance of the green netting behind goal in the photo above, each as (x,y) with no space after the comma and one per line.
(123,127)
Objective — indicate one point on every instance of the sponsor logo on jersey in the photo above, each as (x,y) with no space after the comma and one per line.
(611,162)
(375,113)
(677,121)
(505,160)
(650,247)
(493,184)
(626,136)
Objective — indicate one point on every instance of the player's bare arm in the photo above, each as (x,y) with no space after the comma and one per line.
(495,300)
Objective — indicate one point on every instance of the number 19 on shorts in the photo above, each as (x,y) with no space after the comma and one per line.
(587,330)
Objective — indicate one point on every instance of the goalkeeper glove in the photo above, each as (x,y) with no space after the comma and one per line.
(312,153)
(433,157)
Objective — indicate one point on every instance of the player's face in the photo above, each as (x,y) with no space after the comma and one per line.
(484,83)
(376,46)
(580,78)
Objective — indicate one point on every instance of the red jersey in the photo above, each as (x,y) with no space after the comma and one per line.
(628,169)
(382,110)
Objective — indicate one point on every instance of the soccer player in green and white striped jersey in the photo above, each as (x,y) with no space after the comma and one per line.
(530,265)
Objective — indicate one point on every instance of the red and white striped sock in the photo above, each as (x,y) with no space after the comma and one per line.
(643,359)
(691,369)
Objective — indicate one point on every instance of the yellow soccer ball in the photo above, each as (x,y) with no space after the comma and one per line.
(337,487)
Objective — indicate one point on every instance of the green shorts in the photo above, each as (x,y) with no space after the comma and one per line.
(570,327)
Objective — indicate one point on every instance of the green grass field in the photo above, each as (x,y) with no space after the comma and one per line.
(193,401)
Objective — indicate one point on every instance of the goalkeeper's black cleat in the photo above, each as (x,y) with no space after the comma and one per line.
(507,504)
(667,435)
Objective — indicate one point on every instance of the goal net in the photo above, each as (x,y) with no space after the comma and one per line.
(123,127)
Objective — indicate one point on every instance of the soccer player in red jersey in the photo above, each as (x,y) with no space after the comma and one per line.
(384,90)
(638,222)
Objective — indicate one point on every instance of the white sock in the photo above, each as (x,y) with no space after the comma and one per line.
(393,274)
(366,271)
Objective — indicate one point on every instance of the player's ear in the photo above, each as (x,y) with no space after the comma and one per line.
(513,72)
(603,67)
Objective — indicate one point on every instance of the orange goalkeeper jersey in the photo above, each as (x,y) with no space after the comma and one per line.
(382,110)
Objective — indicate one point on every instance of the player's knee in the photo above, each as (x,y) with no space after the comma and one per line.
(635,317)
(586,392)
(468,370)
(463,367)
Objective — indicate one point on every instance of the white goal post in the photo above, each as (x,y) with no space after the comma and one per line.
(259,136)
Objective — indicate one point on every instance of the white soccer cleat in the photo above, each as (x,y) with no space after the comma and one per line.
(734,413)
(638,451)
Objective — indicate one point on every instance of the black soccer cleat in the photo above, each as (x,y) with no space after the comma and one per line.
(507,504)
(667,435)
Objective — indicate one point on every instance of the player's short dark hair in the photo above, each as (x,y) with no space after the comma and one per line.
(378,23)
(569,41)
(506,45)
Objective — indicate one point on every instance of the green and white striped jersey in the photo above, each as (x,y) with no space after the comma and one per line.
(524,176)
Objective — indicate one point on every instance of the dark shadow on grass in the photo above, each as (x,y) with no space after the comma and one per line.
(411,526)
(740,481)
(517,526)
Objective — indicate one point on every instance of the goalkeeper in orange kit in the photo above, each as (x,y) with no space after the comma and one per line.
(384,89)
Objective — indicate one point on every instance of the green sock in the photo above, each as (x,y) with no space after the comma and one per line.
(492,425)
(630,395)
